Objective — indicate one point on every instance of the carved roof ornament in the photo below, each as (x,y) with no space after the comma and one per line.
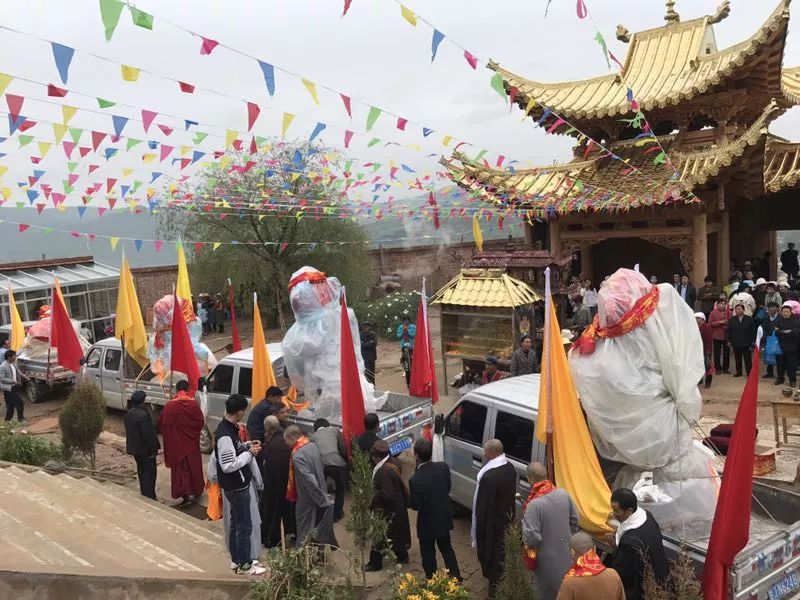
(623,35)
(722,13)
(672,16)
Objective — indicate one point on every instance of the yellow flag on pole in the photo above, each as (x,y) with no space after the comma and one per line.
(477,233)
(17,328)
(577,469)
(183,290)
(129,322)
(263,375)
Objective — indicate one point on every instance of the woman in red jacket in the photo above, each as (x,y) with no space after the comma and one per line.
(706,334)
(718,321)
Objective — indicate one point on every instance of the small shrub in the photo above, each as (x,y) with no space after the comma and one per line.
(440,586)
(24,448)
(516,582)
(386,313)
(82,420)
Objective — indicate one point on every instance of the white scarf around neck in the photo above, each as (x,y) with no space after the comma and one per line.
(379,465)
(635,521)
(498,461)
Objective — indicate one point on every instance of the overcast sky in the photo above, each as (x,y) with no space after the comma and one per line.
(372,54)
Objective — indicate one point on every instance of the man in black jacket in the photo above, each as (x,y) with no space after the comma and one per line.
(142,443)
(268,406)
(687,291)
(787,328)
(741,335)
(636,544)
(369,350)
(430,497)
(789,263)
(370,435)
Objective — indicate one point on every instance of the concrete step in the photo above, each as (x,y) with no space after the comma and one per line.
(17,536)
(165,539)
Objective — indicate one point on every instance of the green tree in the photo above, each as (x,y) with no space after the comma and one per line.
(284,212)
(81,420)
(516,582)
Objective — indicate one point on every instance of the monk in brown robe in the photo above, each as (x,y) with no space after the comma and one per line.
(181,423)
(588,579)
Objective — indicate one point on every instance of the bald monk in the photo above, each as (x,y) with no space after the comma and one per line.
(588,579)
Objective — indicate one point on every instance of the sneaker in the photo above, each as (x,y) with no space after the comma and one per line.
(251,569)
(234,566)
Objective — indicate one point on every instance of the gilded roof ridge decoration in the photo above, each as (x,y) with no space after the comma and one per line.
(485,288)
(781,164)
(673,48)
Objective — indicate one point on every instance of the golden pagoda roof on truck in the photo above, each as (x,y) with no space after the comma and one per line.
(485,288)
(668,65)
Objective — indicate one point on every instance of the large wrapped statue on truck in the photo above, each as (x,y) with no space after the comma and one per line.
(159,344)
(37,339)
(637,369)
(312,347)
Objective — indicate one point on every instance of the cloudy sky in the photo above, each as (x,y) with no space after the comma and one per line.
(373,55)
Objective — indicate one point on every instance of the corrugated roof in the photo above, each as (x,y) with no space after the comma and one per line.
(35,278)
(664,66)
(485,288)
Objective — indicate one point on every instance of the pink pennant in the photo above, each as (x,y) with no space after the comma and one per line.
(72,178)
(186,88)
(614,58)
(166,151)
(101,211)
(55,92)
(393,172)
(558,123)
(26,124)
(582,10)
(23,227)
(93,168)
(238,145)
(401,123)
(253,145)
(75,234)
(347,4)
(14,105)
(500,160)
(208,45)
(147,118)
(91,237)
(165,129)
(472,60)
(39,208)
(58,198)
(588,148)
(346,101)
(84,150)
(97,139)
(158,244)
(185,162)
(110,183)
(283,247)
(348,135)
(253,111)
(36,160)
(111,203)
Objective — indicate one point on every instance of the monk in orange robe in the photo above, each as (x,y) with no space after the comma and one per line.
(588,579)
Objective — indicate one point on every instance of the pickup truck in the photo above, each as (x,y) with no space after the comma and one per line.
(768,568)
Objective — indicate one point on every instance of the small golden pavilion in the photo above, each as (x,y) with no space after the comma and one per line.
(724,185)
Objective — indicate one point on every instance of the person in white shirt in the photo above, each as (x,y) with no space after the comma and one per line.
(11,381)
(590,296)
(744,298)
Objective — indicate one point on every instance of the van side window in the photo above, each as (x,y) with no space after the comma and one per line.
(246,382)
(112,360)
(516,433)
(467,422)
(93,360)
(221,379)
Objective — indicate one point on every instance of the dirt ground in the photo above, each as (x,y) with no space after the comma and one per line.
(720,405)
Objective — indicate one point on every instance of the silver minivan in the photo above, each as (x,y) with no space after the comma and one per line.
(506,410)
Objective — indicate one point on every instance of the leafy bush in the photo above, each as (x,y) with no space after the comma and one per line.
(440,586)
(82,420)
(516,582)
(20,447)
(386,313)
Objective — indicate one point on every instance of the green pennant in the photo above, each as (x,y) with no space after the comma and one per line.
(347,166)
(481,154)
(660,159)
(212,182)
(105,103)
(376,166)
(136,185)
(68,189)
(72,166)
(372,142)
(372,116)
(497,85)
(47,230)
(75,134)
(24,140)
(110,12)
(131,143)
(20,205)
(260,141)
(199,137)
(141,18)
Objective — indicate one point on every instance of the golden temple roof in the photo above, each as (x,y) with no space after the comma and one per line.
(485,288)
(665,66)
(782,166)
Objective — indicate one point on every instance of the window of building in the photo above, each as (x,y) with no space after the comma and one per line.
(111,363)
(467,422)
(516,433)
(221,379)
(246,381)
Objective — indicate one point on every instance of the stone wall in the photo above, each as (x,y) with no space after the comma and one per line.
(153,283)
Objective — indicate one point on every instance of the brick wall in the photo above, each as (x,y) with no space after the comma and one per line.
(152,283)
(437,263)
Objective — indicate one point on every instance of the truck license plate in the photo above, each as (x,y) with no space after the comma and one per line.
(784,587)
(400,445)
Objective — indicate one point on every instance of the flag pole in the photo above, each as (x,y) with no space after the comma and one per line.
(547,362)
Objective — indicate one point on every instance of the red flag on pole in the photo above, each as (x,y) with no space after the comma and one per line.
(352,393)
(183,359)
(423,367)
(237,343)
(62,334)
(730,530)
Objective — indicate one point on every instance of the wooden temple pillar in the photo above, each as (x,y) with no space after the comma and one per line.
(724,248)
(529,234)
(699,249)
(554,235)
(587,265)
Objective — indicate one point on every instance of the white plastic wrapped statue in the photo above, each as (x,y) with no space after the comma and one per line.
(37,339)
(637,372)
(312,346)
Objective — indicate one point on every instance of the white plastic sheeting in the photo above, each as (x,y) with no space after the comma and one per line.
(640,395)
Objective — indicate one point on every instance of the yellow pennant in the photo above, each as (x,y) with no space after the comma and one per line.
(114,241)
(4,81)
(59,131)
(295,176)
(127,172)
(148,158)
(67,113)
(185,150)
(287,121)
(6,193)
(216,245)
(129,73)
(408,15)
(44,148)
(3,170)
(62,208)
(230,137)
(446,140)
(224,161)
(312,89)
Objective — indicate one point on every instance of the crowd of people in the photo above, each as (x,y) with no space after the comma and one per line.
(212,312)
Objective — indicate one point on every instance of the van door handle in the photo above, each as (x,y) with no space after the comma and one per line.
(477,462)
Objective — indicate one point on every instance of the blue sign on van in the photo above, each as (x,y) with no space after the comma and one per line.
(784,587)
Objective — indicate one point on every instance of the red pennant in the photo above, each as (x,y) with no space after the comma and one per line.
(26,124)
(472,60)
(101,211)
(84,150)
(218,153)
(186,88)
(500,160)
(92,169)
(111,203)
(198,246)
(14,105)
(401,123)
(238,145)
(23,227)
(432,202)
(346,100)
(158,244)
(147,118)
(39,208)
(185,162)
(167,130)
(97,139)
(423,367)
(72,178)
(110,182)
(207,47)
(347,4)
(235,340)
(68,148)
(91,237)
(252,114)
(55,92)
(75,234)
(36,160)
(166,150)
(253,145)
(348,135)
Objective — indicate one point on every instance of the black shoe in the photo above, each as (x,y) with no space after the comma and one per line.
(738,375)
(371,568)
(767,376)
(792,384)
(779,381)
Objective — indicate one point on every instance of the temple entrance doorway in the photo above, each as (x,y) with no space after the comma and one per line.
(654,259)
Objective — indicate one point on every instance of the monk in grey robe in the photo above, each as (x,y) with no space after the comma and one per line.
(549,521)
(313,508)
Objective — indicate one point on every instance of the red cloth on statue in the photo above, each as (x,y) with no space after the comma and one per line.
(180,424)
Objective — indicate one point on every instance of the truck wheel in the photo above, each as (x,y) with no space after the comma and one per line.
(37,391)
(155,412)
(206,445)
